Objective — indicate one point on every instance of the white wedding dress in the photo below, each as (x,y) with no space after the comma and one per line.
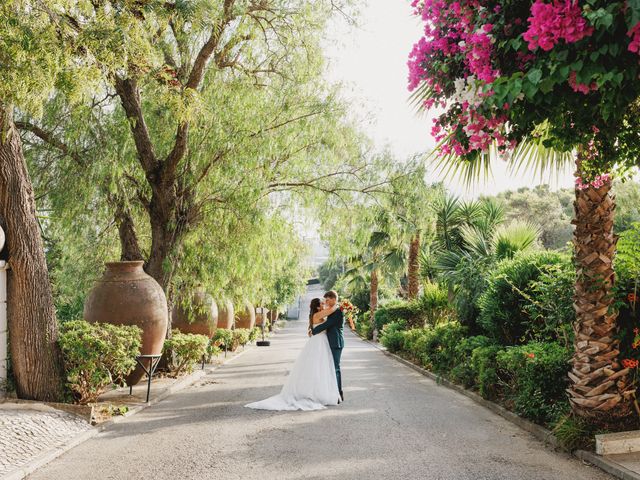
(311,384)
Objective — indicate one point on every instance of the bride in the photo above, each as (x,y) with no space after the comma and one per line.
(311,384)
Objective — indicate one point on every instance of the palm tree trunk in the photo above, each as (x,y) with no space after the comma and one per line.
(598,383)
(414,268)
(33,330)
(373,303)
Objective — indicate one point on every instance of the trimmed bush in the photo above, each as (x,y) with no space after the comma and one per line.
(223,338)
(392,336)
(241,336)
(484,365)
(502,312)
(188,349)
(534,377)
(463,372)
(97,356)
(396,310)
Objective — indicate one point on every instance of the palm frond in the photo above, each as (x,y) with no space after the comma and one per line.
(512,238)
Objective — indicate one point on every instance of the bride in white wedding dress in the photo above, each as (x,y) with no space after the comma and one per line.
(311,384)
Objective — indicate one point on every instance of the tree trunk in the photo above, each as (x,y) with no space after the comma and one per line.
(373,303)
(33,332)
(129,245)
(413,274)
(598,383)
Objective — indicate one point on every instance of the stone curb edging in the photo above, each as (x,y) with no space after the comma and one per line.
(541,433)
(50,455)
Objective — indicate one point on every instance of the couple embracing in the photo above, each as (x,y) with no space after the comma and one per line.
(315,379)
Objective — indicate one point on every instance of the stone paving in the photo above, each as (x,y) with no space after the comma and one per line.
(27,433)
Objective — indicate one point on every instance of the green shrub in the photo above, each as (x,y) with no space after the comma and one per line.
(392,336)
(469,281)
(432,307)
(413,343)
(97,356)
(212,351)
(399,310)
(241,336)
(502,312)
(483,364)
(188,350)
(254,334)
(363,325)
(463,372)
(534,377)
(441,345)
(550,304)
(223,338)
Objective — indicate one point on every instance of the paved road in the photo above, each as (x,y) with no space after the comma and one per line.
(395,424)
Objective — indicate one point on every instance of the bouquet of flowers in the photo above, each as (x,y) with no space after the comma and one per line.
(350,311)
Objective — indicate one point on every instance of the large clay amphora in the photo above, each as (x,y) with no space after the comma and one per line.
(261,316)
(226,315)
(126,295)
(204,315)
(246,318)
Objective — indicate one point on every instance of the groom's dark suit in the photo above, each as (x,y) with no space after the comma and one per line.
(333,325)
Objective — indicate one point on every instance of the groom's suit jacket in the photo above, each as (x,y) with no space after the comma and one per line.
(333,325)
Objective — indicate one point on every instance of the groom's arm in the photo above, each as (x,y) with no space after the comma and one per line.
(332,321)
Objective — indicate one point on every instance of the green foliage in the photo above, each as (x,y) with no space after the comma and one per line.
(396,310)
(627,205)
(502,313)
(223,338)
(534,377)
(550,210)
(484,365)
(573,432)
(433,304)
(97,356)
(550,304)
(254,333)
(241,336)
(188,350)
(392,336)
(464,372)
(437,346)
(329,272)
(470,280)
(627,261)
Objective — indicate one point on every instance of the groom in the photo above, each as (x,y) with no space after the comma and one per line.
(333,325)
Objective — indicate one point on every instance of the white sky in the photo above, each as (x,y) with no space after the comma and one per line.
(370,60)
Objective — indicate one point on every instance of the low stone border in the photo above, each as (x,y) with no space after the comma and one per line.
(50,455)
(541,433)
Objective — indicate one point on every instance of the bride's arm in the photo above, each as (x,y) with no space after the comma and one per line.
(317,317)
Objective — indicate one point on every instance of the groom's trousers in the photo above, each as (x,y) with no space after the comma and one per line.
(337,353)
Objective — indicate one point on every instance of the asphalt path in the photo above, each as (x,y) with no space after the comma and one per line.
(394,424)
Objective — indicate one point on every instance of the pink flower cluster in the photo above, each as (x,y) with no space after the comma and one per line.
(634,33)
(551,22)
(597,182)
(581,87)
(450,29)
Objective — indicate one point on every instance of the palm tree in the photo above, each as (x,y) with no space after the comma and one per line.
(598,382)
(382,260)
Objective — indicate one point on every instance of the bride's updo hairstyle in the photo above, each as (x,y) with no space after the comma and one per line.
(313,309)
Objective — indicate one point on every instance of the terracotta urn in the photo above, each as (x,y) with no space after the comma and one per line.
(203,318)
(273,318)
(126,295)
(226,315)
(246,318)
(261,316)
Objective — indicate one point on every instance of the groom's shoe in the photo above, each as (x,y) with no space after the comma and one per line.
(342,396)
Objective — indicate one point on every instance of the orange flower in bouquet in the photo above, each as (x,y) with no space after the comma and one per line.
(350,311)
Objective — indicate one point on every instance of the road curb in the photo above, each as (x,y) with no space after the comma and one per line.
(50,455)
(544,435)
